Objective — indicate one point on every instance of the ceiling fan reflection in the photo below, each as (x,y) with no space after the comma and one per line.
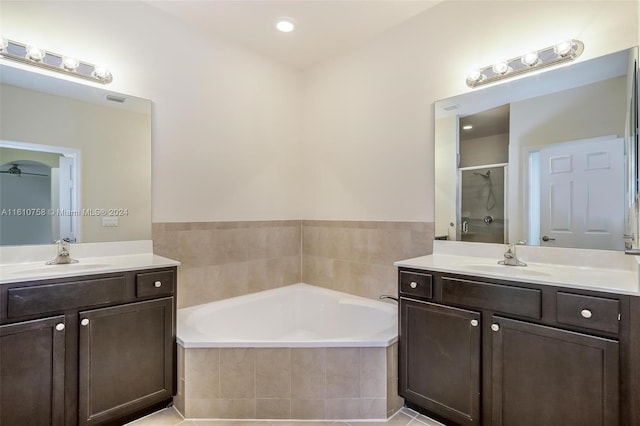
(15,171)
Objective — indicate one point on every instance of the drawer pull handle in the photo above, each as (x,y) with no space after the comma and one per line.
(413,284)
(158,284)
(59,326)
(474,322)
(586,313)
(84,322)
(495,327)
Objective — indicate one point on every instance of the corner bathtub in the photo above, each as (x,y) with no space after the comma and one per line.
(295,352)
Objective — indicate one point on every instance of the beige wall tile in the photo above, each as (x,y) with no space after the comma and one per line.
(190,285)
(237,409)
(273,373)
(348,408)
(313,409)
(202,376)
(308,373)
(374,408)
(273,408)
(222,259)
(237,373)
(224,281)
(357,257)
(343,372)
(202,408)
(373,382)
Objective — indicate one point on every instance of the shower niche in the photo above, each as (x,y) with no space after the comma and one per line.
(483,152)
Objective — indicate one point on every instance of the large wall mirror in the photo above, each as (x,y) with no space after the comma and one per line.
(546,160)
(75,161)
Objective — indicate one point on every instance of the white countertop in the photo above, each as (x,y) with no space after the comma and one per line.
(621,277)
(99,258)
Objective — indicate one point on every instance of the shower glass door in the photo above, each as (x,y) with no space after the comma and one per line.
(482,204)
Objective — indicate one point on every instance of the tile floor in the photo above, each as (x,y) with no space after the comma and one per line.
(170,417)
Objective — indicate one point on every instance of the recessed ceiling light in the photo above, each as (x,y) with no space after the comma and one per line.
(467,127)
(285,25)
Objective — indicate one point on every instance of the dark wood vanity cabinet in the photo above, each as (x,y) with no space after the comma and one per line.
(497,353)
(125,359)
(103,355)
(32,372)
(440,359)
(544,375)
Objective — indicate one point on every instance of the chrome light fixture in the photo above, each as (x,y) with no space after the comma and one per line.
(34,55)
(565,51)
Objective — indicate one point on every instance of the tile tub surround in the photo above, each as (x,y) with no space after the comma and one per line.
(357,256)
(228,259)
(287,383)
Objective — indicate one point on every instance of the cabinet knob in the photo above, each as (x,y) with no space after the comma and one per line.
(413,284)
(84,322)
(158,284)
(586,313)
(474,322)
(495,327)
(59,326)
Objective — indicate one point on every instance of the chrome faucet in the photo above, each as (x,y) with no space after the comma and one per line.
(64,256)
(386,296)
(510,258)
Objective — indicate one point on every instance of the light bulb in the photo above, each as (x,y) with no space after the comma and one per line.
(467,127)
(285,25)
(475,76)
(35,53)
(101,73)
(500,68)
(4,43)
(529,59)
(70,64)
(563,49)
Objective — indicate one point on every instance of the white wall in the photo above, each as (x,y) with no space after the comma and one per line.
(226,120)
(368,123)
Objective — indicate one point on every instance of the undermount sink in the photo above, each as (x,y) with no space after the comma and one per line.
(512,270)
(65,267)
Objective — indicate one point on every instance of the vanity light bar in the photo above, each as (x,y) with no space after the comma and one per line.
(531,61)
(33,55)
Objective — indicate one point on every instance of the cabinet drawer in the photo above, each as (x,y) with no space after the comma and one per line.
(415,284)
(154,283)
(525,302)
(42,299)
(596,313)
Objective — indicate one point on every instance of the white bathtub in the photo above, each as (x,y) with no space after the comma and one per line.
(298,315)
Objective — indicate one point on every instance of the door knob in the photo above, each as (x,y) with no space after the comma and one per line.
(474,322)
(158,284)
(413,284)
(84,322)
(547,238)
(495,327)
(59,326)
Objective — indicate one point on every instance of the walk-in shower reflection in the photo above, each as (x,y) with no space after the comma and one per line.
(482,205)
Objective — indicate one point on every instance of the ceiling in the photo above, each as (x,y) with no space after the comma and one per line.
(324,27)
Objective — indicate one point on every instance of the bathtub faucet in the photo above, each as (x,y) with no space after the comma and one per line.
(386,296)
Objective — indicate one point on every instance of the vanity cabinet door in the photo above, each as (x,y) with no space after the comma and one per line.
(439,360)
(126,359)
(547,376)
(32,356)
